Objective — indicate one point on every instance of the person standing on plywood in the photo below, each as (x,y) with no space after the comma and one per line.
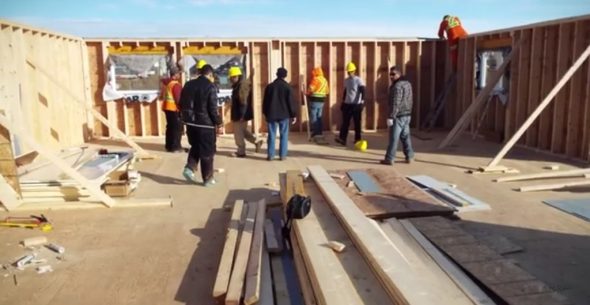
(171,98)
(353,102)
(198,108)
(317,93)
(400,115)
(278,107)
(455,31)
(241,111)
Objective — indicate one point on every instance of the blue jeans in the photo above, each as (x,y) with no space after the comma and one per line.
(400,131)
(283,126)
(315,116)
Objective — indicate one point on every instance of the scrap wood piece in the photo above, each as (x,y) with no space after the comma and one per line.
(401,283)
(229,249)
(470,289)
(400,198)
(556,186)
(497,274)
(546,101)
(577,207)
(337,278)
(253,271)
(31,142)
(567,173)
(272,243)
(238,274)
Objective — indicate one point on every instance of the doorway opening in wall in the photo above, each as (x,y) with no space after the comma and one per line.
(489,122)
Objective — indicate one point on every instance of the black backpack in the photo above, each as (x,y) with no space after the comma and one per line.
(297,208)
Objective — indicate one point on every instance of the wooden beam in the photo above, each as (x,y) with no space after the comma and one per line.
(87,205)
(564,56)
(479,101)
(92,188)
(575,106)
(556,186)
(270,236)
(403,285)
(567,173)
(8,197)
(302,272)
(236,282)
(229,249)
(540,108)
(253,272)
(266,294)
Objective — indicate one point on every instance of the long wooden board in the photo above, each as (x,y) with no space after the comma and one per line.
(555,186)
(253,272)
(566,173)
(229,249)
(398,277)
(236,282)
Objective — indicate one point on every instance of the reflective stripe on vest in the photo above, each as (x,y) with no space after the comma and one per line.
(322,90)
(169,102)
(452,22)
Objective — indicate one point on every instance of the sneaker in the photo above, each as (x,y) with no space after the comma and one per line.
(340,141)
(189,175)
(386,162)
(259,145)
(210,182)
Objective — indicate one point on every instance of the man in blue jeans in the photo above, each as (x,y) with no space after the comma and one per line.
(400,115)
(280,110)
(316,96)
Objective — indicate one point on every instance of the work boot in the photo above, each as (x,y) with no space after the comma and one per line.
(386,162)
(259,145)
(409,160)
(189,175)
(209,182)
(340,141)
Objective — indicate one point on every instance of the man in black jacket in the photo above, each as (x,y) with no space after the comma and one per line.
(279,107)
(198,108)
(400,107)
(241,111)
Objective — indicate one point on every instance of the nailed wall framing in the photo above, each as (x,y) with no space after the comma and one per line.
(548,49)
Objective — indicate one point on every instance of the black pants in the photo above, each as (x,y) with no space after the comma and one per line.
(351,111)
(203,147)
(173,131)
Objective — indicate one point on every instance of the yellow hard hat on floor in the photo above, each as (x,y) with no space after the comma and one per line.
(234,71)
(361,145)
(201,63)
(350,67)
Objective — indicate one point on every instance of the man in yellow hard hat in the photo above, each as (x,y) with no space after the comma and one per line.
(353,102)
(200,64)
(241,111)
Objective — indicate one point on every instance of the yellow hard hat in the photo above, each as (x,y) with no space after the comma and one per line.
(234,71)
(350,67)
(201,63)
(361,145)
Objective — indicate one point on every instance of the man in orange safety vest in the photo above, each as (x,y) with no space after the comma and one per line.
(455,31)
(171,98)
(316,95)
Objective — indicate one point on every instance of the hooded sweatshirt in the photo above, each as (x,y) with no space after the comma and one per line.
(318,87)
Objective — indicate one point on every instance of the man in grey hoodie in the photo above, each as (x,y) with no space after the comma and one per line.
(400,106)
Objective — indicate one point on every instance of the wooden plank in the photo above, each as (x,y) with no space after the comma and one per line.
(480,100)
(566,173)
(266,294)
(534,90)
(575,104)
(561,98)
(541,107)
(270,236)
(8,196)
(548,78)
(302,273)
(523,78)
(253,271)
(86,205)
(470,289)
(8,164)
(281,290)
(556,186)
(229,249)
(238,275)
(396,275)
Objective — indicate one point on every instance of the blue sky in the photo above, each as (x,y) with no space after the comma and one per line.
(279,18)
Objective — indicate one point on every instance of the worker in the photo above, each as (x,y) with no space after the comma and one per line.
(455,31)
(171,97)
(198,104)
(241,111)
(400,114)
(278,107)
(353,102)
(316,96)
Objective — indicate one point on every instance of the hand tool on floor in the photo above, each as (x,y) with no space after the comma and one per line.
(30,222)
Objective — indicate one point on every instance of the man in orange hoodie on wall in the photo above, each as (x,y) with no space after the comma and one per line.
(455,31)
(316,96)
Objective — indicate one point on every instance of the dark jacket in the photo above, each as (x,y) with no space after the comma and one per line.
(278,102)
(241,101)
(198,102)
(400,98)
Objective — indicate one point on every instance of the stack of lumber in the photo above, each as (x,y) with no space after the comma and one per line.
(379,265)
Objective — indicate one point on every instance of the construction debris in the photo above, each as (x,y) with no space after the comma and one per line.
(336,246)
(34,241)
(56,248)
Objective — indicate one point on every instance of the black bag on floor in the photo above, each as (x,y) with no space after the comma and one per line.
(297,208)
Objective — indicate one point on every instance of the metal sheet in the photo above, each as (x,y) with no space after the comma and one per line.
(364,182)
(576,207)
(471,203)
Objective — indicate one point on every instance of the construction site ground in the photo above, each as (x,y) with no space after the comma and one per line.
(163,255)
